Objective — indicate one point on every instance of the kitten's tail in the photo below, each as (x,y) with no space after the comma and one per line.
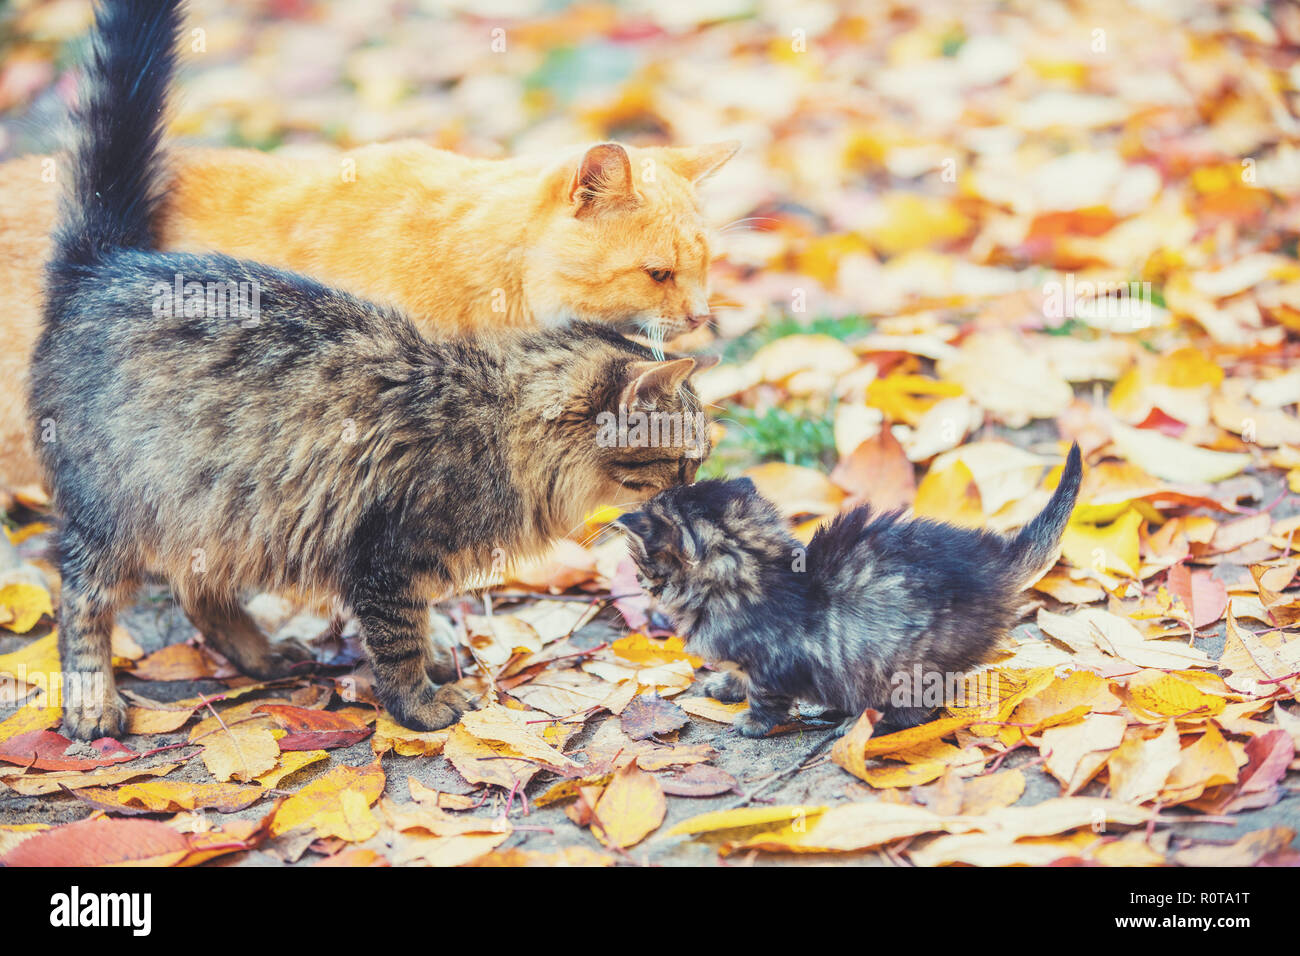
(116,161)
(1037,541)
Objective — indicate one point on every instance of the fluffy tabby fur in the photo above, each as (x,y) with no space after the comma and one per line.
(872,597)
(326,447)
(458,244)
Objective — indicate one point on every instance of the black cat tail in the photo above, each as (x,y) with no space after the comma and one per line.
(119,122)
(1037,541)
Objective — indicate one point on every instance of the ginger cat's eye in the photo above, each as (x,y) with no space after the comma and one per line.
(660,275)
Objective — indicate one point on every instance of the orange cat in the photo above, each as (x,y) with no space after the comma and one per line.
(613,234)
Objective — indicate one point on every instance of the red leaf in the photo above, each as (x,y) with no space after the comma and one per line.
(47,750)
(102,842)
(314,729)
(1204,596)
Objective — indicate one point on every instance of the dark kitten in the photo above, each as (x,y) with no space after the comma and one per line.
(869,600)
(320,444)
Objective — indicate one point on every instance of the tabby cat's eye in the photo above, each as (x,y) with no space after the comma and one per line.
(660,275)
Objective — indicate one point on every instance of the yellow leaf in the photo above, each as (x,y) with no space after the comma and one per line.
(950,495)
(906,398)
(1112,548)
(22,605)
(632,807)
(912,221)
(240,752)
(174,796)
(854,826)
(335,804)
(390,735)
(1155,694)
(904,775)
(291,762)
(742,819)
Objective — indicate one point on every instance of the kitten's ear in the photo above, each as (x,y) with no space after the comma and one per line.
(648,382)
(743,486)
(603,180)
(634,524)
(698,163)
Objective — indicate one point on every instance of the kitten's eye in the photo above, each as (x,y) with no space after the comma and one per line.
(660,275)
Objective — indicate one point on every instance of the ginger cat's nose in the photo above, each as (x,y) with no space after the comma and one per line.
(695,321)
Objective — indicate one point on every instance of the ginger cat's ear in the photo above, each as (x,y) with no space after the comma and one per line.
(603,180)
(650,381)
(698,163)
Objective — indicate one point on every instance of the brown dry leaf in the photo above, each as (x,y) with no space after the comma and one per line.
(711,709)
(1209,762)
(569,856)
(679,756)
(631,808)
(436,798)
(390,735)
(1247,851)
(649,715)
(499,725)
(39,784)
(460,850)
(1075,752)
(176,662)
(148,720)
(1139,767)
(484,761)
(877,473)
(796,490)
(979,795)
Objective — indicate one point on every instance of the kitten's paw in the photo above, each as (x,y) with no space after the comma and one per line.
(751,725)
(287,658)
(92,719)
(726,686)
(431,708)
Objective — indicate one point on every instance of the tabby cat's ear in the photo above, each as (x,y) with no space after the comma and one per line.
(698,163)
(603,180)
(648,382)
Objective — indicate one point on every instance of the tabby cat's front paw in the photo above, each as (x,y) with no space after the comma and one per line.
(430,708)
(92,718)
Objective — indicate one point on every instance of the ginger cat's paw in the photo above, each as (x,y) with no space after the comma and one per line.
(285,658)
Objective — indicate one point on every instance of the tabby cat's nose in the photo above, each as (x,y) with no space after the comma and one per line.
(695,321)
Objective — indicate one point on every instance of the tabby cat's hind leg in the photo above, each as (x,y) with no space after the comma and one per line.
(96,582)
